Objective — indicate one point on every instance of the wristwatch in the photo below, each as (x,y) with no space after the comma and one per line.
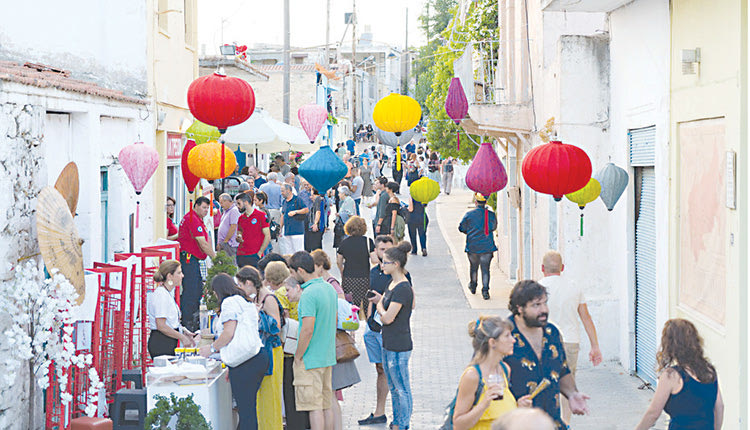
(213,350)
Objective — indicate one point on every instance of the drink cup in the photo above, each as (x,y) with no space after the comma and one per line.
(495,379)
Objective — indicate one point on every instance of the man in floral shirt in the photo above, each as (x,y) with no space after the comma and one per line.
(538,354)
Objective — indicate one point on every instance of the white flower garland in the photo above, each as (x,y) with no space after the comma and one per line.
(41,330)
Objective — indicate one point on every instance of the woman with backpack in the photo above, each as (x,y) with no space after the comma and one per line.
(269,394)
(390,223)
(483,391)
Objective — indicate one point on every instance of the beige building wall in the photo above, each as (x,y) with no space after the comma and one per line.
(172,66)
(704,276)
(270,95)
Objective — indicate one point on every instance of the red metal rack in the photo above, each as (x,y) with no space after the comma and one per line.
(142,282)
(108,330)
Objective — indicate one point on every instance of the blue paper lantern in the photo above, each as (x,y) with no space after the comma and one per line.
(324,169)
(613,180)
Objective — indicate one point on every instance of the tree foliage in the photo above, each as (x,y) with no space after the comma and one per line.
(480,24)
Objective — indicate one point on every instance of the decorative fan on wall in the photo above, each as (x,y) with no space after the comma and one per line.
(67,185)
(58,237)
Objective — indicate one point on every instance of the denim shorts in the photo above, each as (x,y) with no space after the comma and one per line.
(374,345)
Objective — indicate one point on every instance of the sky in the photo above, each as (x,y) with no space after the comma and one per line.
(261,21)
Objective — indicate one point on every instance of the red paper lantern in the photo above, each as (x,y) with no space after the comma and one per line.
(556,168)
(190,179)
(456,105)
(220,100)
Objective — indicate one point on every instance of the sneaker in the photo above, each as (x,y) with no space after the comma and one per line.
(372,419)
(485,294)
(473,287)
(424,253)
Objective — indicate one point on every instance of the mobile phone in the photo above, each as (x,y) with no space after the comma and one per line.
(370,294)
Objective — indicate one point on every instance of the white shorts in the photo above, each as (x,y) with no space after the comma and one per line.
(291,244)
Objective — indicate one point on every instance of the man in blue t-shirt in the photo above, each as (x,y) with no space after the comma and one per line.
(411,148)
(292,222)
(350,146)
(478,225)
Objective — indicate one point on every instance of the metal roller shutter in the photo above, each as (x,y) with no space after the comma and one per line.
(645,280)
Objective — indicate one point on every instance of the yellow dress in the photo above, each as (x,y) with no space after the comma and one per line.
(497,407)
(268,404)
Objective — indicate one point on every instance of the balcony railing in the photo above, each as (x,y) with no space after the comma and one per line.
(477,68)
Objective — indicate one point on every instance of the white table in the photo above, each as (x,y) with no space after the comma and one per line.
(213,394)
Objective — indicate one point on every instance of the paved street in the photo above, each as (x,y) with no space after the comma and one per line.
(442,346)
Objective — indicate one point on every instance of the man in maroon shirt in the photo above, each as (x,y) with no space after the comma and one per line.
(253,231)
(194,246)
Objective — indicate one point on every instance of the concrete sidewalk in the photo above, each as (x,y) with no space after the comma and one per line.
(450,209)
(442,347)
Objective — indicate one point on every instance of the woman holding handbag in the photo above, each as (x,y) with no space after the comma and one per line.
(240,347)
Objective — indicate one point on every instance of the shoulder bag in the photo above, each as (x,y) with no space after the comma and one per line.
(346,350)
(246,342)
(289,334)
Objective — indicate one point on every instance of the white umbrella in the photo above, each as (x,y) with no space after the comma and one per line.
(263,134)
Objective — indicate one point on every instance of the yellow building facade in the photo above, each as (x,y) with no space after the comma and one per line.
(172,66)
(708,186)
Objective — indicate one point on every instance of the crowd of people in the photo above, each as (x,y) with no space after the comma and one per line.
(295,320)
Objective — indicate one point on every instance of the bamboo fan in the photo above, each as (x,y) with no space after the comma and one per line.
(59,242)
(67,185)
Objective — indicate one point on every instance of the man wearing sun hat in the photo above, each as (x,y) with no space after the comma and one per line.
(478,225)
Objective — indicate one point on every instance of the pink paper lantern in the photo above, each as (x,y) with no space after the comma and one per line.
(312,117)
(139,162)
(456,105)
(486,175)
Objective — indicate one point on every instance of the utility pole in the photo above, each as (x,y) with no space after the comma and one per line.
(287,60)
(405,69)
(354,66)
(328,31)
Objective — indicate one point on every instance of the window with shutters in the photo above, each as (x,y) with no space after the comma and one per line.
(189,15)
(163,16)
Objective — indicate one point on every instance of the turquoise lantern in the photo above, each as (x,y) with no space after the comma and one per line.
(613,180)
(324,169)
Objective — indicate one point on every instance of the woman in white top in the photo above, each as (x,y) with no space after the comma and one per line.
(164,314)
(246,377)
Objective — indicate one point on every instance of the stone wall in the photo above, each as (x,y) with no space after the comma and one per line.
(21,132)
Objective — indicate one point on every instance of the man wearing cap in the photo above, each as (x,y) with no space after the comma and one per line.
(194,246)
(478,225)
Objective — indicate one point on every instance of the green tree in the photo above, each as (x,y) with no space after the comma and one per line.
(480,24)
(434,19)
(222,263)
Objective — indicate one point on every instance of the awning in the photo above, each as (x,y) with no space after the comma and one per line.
(263,134)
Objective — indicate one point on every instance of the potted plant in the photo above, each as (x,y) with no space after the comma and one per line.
(177,414)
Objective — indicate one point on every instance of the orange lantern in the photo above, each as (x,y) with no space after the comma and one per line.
(205,161)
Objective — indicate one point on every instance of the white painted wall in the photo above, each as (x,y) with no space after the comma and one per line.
(104,42)
(640,98)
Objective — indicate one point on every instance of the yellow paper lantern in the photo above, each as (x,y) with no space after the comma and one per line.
(396,113)
(204,161)
(585,195)
(424,190)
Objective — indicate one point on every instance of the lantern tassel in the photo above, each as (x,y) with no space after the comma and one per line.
(458,140)
(212,203)
(581,224)
(486,222)
(398,158)
(137,212)
(221,172)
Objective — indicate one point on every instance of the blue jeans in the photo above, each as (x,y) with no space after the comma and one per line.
(356,203)
(245,381)
(396,367)
(417,230)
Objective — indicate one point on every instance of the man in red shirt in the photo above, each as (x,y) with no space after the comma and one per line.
(253,231)
(194,246)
